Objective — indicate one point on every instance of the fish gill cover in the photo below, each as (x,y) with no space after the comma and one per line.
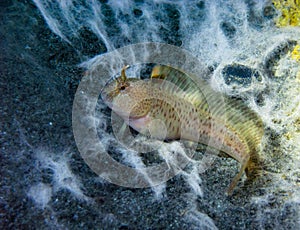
(245,49)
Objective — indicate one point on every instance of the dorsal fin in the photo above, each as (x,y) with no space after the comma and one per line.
(190,90)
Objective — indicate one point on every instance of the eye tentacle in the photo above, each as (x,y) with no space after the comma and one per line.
(123,74)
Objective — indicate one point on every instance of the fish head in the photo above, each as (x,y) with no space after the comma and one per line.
(128,97)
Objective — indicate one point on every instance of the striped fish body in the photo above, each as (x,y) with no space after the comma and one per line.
(188,112)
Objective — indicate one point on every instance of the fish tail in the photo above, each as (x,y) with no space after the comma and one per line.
(254,168)
(244,165)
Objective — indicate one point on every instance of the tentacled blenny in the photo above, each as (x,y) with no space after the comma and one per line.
(189,112)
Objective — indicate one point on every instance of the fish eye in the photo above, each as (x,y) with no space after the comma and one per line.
(122,86)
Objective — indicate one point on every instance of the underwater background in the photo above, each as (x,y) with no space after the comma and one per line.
(249,49)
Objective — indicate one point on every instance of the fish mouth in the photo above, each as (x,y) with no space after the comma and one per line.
(126,115)
(105,97)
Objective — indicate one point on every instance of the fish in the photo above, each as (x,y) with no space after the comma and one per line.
(189,111)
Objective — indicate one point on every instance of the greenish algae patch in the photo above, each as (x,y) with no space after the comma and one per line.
(289,12)
(296,53)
